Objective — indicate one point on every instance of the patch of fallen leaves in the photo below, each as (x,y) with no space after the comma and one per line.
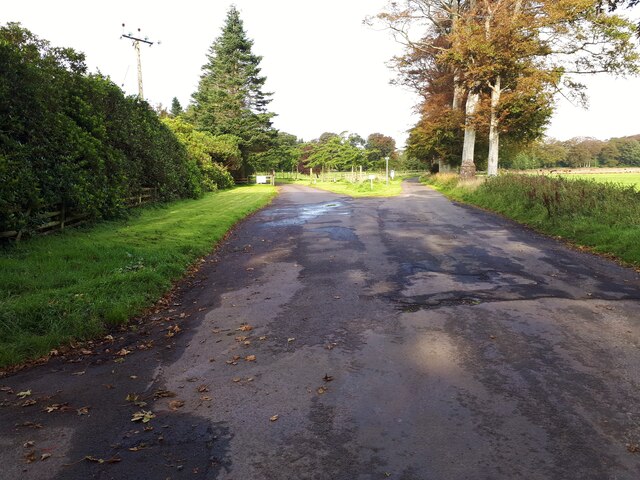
(176,404)
(143,416)
(250,358)
(245,328)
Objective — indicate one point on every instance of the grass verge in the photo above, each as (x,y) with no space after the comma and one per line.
(602,216)
(73,286)
(358,189)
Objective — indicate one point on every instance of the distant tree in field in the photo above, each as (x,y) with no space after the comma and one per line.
(379,147)
(583,152)
(176,108)
(335,153)
(284,155)
(230,97)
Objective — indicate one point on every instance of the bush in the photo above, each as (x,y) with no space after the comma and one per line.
(70,138)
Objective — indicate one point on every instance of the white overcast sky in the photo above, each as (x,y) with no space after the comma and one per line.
(326,69)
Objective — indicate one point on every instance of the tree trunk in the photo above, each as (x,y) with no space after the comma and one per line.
(468,167)
(494,133)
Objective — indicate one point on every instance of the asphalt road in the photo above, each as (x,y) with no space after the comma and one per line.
(332,338)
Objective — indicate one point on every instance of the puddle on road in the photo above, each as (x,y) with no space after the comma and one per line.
(300,215)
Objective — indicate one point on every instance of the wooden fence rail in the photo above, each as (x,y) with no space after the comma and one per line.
(60,218)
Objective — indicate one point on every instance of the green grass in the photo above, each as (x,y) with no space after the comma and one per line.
(358,189)
(602,216)
(75,285)
(615,178)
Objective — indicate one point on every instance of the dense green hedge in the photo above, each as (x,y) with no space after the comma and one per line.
(74,138)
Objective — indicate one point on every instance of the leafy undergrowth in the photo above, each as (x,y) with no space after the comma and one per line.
(73,286)
(602,216)
(377,188)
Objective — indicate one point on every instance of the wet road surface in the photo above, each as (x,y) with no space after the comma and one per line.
(333,338)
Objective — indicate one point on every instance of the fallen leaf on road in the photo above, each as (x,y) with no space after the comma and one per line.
(176,404)
(83,411)
(28,403)
(8,390)
(84,351)
(57,406)
(119,360)
(142,416)
(633,448)
(321,390)
(245,328)
(250,358)
(30,457)
(289,340)
(123,352)
(262,338)
(79,373)
(337,297)
(24,394)
(138,447)
(241,338)
(44,456)
(163,394)
(203,388)
(29,444)
(274,418)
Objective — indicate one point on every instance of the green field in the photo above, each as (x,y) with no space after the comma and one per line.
(618,178)
(75,285)
(358,189)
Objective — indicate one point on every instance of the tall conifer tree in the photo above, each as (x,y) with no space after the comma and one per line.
(230,99)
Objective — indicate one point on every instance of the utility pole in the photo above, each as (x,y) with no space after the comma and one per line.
(136,46)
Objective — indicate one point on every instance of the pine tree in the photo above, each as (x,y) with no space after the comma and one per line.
(229,99)
(176,108)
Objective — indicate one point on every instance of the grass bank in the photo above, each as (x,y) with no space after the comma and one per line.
(602,216)
(75,285)
(377,188)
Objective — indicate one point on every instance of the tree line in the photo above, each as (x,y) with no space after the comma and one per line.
(487,71)
(576,153)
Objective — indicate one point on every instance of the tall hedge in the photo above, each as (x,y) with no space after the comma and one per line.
(74,138)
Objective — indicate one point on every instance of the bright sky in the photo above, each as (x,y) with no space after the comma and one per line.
(327,70)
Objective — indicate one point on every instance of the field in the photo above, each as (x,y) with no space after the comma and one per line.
(76,285)
(618,178)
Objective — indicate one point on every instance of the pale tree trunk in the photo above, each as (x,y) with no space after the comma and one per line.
(468,167)
(494,133)
(456,105)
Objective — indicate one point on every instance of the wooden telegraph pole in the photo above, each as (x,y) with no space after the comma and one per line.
(136,45)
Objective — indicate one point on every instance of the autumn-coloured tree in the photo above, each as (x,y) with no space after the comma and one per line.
(503,53)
